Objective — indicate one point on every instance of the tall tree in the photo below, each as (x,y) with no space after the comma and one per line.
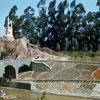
(79,12)
(61,23)
(41,2)
(28,25)
(42,25)
(75,28)
(98,4)
(52,27)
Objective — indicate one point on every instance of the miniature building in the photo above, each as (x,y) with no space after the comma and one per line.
(9,31)
(11,68)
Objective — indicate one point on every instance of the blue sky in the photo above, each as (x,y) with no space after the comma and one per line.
(6,5)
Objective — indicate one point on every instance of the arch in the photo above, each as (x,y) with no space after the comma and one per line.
(9,72)
(24,68)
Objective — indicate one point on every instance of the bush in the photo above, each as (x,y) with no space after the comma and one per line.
(3,79)
(88,86)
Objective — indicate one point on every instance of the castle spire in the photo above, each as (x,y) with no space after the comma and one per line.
(9,30)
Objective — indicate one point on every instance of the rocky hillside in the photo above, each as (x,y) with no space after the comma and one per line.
(61,70)
(71,71)
(22,49)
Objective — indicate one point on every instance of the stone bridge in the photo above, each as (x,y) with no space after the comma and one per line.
(11,68)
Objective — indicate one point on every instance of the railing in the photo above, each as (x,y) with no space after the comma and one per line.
(71,61)
(9,60)
(73,81)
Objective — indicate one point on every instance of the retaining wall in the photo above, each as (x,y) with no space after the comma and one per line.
(19,85)
(86,89)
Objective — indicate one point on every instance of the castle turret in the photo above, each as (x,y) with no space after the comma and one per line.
(9,30)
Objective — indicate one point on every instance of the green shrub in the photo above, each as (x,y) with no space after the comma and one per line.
(87,86)
(3,79)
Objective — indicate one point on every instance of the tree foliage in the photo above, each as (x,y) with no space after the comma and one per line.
(62,26)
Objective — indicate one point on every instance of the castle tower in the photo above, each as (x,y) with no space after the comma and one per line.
(9,30)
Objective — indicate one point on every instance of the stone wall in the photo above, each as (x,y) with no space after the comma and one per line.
(19,85)
(16,64)
(40,67)
(68,88)
(64,70)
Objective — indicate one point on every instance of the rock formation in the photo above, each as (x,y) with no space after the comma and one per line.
(22,49)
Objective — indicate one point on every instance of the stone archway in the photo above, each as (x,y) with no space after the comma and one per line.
(23,71)
(9,72)
(24,68)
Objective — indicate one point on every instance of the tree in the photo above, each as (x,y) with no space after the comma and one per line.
(91,34)
(12,15)
(61,28)
(79,34)
(73,4)
(41,26)
(41,2)
(98,4)
(74,28)
(66,44)
(28,24)
(58,47)
(51,32)
(61,23)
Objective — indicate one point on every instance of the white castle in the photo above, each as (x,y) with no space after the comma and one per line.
(9,30)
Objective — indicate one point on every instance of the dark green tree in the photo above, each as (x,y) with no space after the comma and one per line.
(28,25)
(61,24)
(52,26)
(98,4)
(74,28)
(12,15)
(41,27)
(79,12)
(41,3)
(63,27)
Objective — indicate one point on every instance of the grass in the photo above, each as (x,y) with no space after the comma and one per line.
(88,86)
(28,95)
(81,54)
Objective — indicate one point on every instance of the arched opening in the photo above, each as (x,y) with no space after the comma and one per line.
(9,72)
(23,71)
(24,68)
